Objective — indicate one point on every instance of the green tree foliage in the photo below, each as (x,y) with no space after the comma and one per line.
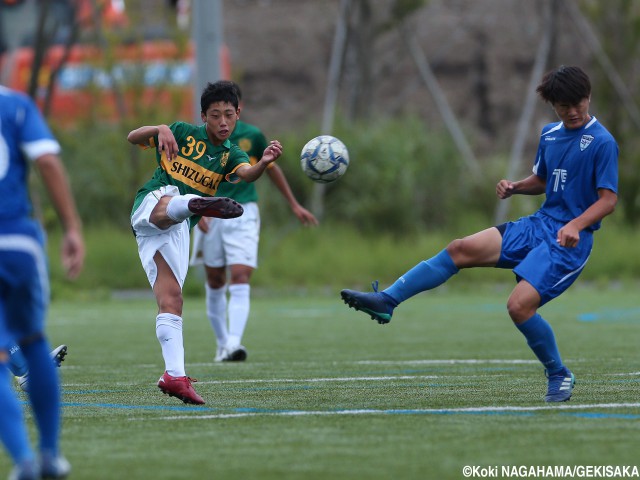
(105,171)
(617,23)
(403,177)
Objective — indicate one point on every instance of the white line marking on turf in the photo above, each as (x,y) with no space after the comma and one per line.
(223,365)
(472,361)
(414,411)
(445,361)
(319,380)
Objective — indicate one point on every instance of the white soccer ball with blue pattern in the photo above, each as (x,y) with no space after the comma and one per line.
(324,159)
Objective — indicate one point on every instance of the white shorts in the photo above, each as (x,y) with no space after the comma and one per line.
(172,243)
(231,241)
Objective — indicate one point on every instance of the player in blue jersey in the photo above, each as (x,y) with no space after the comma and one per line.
(26,140)
(576,167)
(192,162)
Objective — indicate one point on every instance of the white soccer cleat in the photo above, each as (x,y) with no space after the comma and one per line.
(54,466)
(235,353)
(231,353)
(57,355)
(28,470)
(221,354)
(23,381)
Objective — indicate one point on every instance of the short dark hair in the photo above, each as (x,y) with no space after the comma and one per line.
(565,84)
(220,91)
(238,91)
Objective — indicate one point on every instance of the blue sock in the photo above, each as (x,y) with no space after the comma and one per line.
(13,431)
(44,393)
(17,362)
(424,276)
(542,341)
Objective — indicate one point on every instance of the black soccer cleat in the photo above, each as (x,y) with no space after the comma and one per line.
(375,304)
(217,207)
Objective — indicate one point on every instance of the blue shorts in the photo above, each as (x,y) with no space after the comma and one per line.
(529,247)
(24,281)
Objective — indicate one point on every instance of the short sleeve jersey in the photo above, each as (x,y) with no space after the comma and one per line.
(575,164)
(24,137)
(199,168)
(252,141)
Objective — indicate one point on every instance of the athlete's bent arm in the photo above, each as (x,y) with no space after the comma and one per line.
(569,235)
(253,172)
(276,175)
(532,185)
(56,182)
(166,139)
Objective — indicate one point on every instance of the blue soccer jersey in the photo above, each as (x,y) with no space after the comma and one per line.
(575,164)
(24,136)
(23,267)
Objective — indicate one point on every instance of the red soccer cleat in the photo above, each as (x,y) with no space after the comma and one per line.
(218,207)
(180,387)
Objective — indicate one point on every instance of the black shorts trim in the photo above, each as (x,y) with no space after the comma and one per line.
(502,228)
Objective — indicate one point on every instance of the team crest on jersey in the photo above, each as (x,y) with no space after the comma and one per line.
(224,158)
(245,144)
(585,141)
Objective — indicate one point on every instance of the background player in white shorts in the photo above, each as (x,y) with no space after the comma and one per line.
(233,245)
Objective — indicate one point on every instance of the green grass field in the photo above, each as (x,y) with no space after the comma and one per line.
(326,393)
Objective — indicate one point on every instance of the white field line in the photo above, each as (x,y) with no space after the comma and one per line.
(360,362)
(471,361)
(320,380)
(446,361)
(488,409)
(385,378)
(360,378)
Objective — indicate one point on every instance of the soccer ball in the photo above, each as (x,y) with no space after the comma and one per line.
(324,159)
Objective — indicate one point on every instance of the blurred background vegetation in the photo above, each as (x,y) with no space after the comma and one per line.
(409,188)
(379,219)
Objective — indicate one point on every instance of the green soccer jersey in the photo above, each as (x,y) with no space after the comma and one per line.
(199,168)
(251,141)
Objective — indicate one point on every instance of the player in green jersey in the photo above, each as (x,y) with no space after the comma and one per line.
(192,162)
(232,245)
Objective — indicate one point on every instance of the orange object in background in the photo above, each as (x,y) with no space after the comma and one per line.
(154,72)
(87,82)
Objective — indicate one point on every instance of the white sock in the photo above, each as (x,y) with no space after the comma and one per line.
(178,207)
(238,311)
(169,333)
(217,312)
